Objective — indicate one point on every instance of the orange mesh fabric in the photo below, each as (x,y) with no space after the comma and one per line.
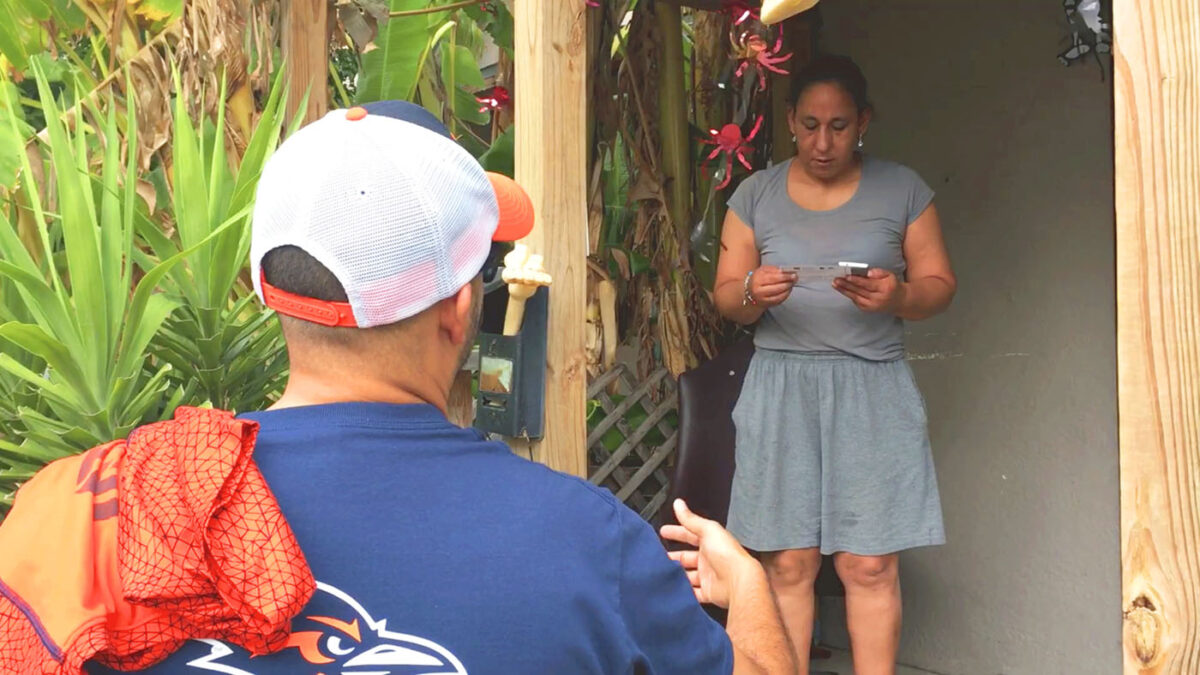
(123,553)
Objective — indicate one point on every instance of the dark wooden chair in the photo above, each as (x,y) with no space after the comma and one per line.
(704,460)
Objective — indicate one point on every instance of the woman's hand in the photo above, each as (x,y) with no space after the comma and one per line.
(879,291)
(770,286)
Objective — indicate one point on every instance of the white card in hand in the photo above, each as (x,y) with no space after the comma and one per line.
(811,273)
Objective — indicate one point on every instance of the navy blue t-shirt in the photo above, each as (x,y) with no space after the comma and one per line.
(436,551)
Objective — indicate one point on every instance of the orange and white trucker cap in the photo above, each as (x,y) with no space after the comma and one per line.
(383,197)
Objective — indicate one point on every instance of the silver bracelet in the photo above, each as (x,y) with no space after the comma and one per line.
(747,296)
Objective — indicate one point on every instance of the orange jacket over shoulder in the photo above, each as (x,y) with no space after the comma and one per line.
(124,552)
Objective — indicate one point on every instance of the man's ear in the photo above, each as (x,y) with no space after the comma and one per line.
(454,314)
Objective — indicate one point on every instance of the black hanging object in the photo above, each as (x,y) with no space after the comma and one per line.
(1090,24)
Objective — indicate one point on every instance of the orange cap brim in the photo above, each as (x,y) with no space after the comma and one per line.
(516,208)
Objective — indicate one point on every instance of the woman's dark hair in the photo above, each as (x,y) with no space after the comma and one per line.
(839,70)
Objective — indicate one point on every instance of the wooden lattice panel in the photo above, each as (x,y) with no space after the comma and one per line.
(633,462)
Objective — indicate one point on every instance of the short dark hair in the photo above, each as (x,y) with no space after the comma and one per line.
(291,269)
(835,69)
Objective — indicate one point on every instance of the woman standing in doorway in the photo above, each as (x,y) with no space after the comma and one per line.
(833,449)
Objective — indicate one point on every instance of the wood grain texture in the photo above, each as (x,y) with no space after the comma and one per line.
(550,118)
(1157,154)
(305,46)
(460,406)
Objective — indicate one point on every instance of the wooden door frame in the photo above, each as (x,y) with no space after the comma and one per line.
(1156,72)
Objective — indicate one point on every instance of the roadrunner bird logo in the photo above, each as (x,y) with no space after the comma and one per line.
(345,641)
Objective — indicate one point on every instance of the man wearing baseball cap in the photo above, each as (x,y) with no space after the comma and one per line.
(435,550)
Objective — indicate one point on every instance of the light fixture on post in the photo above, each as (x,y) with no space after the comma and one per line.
(774,11)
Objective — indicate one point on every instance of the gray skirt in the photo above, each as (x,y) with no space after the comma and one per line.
(833,452)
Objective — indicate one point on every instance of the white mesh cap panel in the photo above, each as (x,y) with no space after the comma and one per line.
(401,215)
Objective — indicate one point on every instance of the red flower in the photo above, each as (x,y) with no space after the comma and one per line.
(493,99)
(729,140)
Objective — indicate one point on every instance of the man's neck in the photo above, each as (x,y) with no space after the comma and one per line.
(304,389)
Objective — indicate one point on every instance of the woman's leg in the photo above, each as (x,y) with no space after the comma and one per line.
(872,610)
(792,574)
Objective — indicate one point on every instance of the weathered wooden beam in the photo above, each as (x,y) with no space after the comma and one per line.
(460,406)
(550,118)
(305,45)
(1157,153)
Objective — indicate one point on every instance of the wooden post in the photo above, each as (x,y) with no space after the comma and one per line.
(460,406)
(550,108)
(1157,154)
(306,55)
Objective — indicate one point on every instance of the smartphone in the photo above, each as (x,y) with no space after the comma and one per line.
(854,269)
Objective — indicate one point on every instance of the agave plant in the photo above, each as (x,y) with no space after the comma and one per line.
(224,349)
(93,326)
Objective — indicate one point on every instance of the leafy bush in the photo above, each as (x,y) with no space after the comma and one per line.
(113,315)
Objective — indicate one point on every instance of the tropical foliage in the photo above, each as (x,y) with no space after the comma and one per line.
(109,319)
(655,226)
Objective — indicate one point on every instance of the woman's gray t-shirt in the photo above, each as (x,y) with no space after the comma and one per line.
(869,228)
